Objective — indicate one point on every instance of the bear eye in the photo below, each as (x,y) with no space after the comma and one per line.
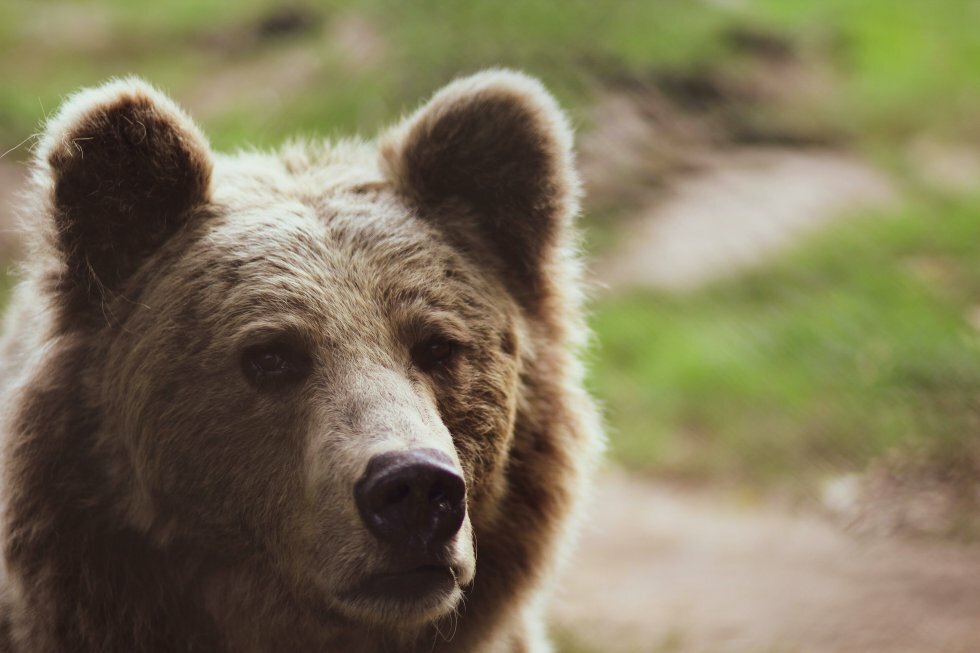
(434,353)
(269,362)
(273,365)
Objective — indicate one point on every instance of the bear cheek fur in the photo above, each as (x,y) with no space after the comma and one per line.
(237,473)
(211,460)
(480,413)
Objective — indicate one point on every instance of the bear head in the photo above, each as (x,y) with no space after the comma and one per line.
(308,367)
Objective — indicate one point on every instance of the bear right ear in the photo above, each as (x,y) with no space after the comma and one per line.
(127,167)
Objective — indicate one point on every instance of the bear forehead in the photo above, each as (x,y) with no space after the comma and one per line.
(324,249)
(297,170)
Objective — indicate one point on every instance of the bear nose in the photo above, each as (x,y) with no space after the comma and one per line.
(412,498)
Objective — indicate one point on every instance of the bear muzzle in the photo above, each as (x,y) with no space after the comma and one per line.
(414,503)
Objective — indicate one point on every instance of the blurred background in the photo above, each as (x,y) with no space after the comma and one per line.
(783,224)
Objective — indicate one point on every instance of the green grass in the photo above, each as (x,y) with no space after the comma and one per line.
(855,344)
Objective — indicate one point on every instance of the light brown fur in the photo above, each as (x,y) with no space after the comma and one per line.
(154,500)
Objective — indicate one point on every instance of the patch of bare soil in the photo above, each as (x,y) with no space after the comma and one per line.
(945,166)
(666,570)
(737,210)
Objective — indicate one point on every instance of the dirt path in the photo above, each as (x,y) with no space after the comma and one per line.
(739,209)
(662,570)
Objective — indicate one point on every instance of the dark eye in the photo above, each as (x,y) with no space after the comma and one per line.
(269,362)
(274,365)
(433,353)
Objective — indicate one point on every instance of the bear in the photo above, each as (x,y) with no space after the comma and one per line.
(323,398)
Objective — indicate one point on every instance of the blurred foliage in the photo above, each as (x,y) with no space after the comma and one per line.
(901,66)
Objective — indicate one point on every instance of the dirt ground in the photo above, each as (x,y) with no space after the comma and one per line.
(665,569)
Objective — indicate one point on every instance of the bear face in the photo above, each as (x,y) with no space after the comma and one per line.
(324,375)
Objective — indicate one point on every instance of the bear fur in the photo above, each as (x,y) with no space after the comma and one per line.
(206,350)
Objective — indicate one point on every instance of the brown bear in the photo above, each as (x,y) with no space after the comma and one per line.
(323,399)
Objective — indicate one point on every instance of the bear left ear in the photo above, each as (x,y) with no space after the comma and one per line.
(497,144)
(127,168)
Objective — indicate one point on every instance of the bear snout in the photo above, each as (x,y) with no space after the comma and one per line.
(414,500)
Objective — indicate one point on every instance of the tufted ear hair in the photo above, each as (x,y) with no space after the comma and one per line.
(126,168)
(494,146)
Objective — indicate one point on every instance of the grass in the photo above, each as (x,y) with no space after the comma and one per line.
(855,344)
